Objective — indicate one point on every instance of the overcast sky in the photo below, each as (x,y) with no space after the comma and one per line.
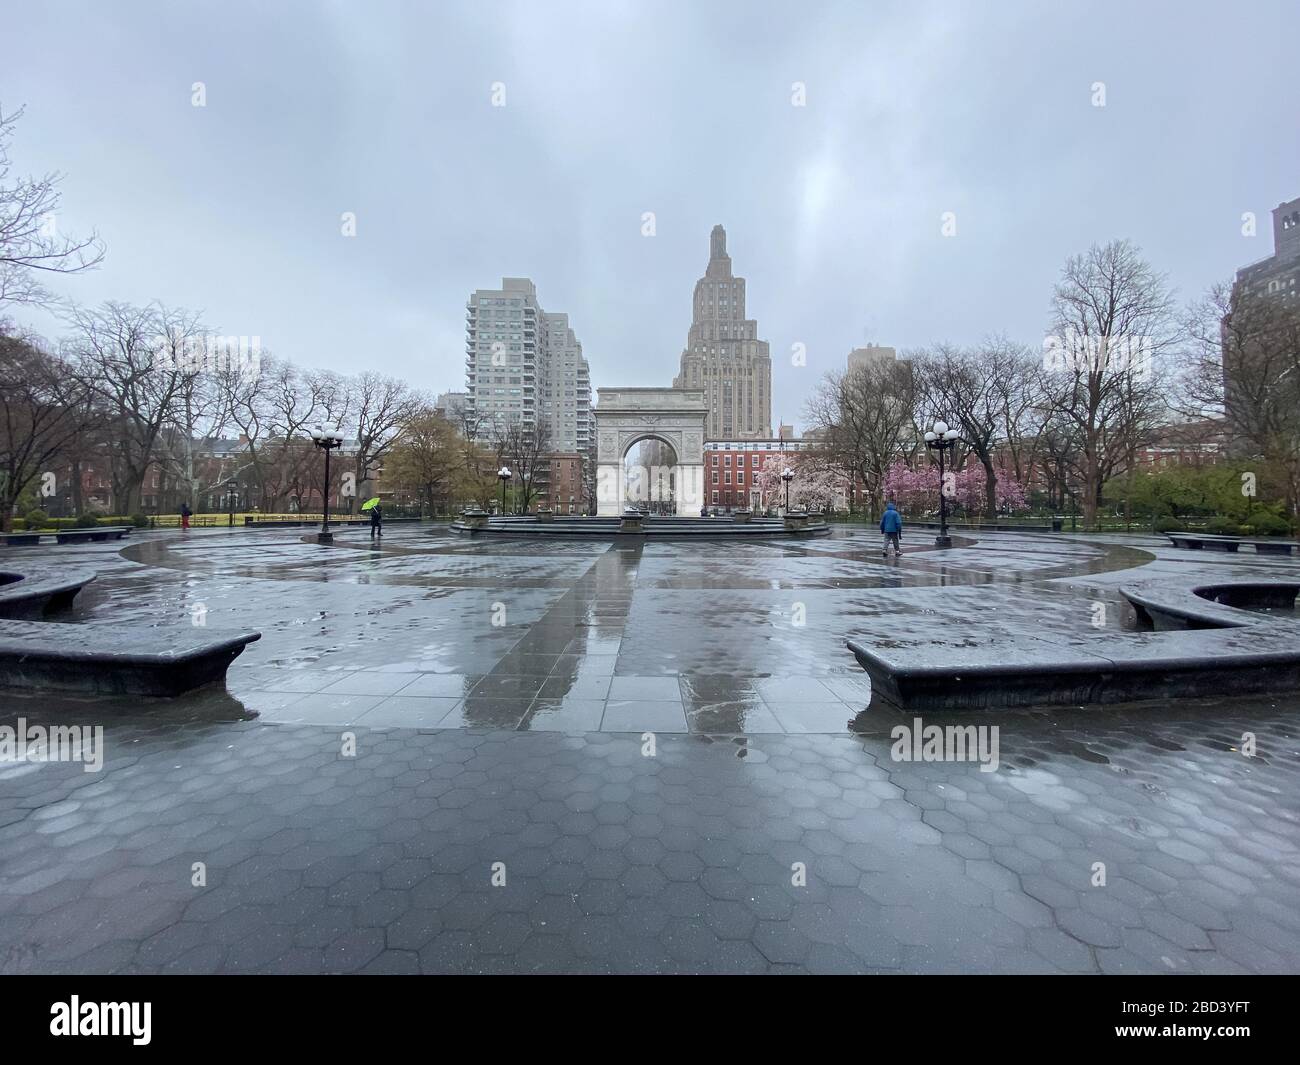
(613,109)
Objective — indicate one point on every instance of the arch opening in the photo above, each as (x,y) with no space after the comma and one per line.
(650,475)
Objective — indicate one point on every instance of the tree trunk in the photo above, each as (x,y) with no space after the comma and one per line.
(990,488)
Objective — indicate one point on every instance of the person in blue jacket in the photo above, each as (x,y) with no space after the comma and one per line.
(891,524)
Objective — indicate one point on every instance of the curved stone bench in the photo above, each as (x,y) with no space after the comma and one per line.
(101,533)
(41,655)
(105,660)
(1203,644)
(1210,606)
(32,592)
(1115,668)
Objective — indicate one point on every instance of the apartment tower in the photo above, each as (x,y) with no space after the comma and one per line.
(723,354)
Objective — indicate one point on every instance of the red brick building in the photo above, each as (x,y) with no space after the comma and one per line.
(564,492)
(731,470)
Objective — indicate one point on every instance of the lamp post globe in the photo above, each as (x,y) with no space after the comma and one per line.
(504,474)
(942,438)
(327,438)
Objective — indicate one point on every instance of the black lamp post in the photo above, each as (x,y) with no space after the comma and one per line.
(787,475)
(941,439)
(230,500)
(327,439)
(505,475)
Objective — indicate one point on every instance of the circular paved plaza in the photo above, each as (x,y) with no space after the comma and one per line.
(464,755)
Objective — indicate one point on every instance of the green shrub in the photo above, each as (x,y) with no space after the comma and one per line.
(1220,526)
(85,521)
(37,518)
(140,521)
(1266,523)
(1164,525)
(20,524)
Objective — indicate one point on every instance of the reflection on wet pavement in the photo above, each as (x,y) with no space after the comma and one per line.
(500,698)
(432,630)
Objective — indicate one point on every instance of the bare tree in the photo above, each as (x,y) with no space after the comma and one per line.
(30,244)
(121,358)
(971,389)
(1023,412)
(525,450)
(1112,328)
(1243,361)
(381,406)
(43,408)
(866,418)
(200,406)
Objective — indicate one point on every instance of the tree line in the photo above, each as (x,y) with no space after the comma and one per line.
(1120,363)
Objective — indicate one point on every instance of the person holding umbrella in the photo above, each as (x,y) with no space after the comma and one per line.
(376,517)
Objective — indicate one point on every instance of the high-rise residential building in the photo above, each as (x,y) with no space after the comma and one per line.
(871,354)
(723,355)
(566,388)
(451,405)
(1276,278)
(1279,274)
(525,367)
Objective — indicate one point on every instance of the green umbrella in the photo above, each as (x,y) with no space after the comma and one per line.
(370,503)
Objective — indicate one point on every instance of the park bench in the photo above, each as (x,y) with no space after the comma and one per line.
(34,591)
(109,660)
(1214,542)
(22,539)
(989,526)
(1202,645)
(103,532)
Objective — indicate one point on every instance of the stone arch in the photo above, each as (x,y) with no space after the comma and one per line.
(627,416)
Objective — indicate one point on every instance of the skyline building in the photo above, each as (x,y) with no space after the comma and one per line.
(524,366)
(723,355)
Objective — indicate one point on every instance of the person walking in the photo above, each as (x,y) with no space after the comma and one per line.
(376,523)
(891,524)
(185,516)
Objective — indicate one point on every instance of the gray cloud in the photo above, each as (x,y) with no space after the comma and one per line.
(613,109)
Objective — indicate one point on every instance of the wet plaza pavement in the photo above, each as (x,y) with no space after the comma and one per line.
(502,810)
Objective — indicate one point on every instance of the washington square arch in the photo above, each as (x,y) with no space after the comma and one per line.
(673,417)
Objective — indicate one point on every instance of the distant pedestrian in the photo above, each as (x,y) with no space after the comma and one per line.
(376,522)
(185,515)
(891,524)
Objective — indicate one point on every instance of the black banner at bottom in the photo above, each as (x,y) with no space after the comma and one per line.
(216,1013)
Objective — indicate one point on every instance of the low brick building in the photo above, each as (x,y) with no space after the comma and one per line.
(564,492)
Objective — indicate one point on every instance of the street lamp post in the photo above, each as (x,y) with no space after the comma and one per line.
(230,500)
(941,439)
(504,474)
(787,475)
(327,439)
